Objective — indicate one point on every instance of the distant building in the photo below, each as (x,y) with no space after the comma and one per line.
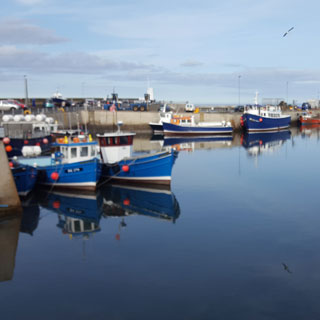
(314,103)
(150,93)
(272,101)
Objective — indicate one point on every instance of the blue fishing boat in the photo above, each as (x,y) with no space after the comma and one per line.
(264,118)
(119,163)
(21,132)
(25,177)
(121,201)
(75,165)
(185,125)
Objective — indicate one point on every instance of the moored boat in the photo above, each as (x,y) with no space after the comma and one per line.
(119,163)
(25,177)
(75,165)
(185,125)
(309,119)
(264,118)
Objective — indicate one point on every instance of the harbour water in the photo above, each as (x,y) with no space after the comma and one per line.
(237,237)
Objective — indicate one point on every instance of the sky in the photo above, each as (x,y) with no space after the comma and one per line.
(209,52)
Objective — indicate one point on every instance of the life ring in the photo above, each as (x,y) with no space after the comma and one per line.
(26,111)
(61,109)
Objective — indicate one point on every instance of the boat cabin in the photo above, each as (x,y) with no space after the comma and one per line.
(264,111)
(77,227)
(115,146)
(182,120)
(80,148)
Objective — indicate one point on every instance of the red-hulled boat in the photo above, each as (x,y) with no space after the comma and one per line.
(307,119)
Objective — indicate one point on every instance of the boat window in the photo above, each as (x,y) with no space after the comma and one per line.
(84,152)
(124,140)
(87,226)
(73,152)
(77,226)
(93,151)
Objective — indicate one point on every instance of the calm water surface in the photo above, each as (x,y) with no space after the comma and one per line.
(238,237)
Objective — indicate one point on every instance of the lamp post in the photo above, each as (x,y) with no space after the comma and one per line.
(239,77)
(26,91)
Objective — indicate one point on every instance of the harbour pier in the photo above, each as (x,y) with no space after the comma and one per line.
(10,204)
(140,120)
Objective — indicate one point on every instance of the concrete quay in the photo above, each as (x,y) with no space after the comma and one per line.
(9,199)
(103,120)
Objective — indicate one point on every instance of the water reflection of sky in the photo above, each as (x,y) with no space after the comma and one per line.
(245,245)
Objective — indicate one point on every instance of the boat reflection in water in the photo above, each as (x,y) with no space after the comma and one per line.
(121,201)
(264,142)
(31,214)
(310,130)
(191,143)
(78,213)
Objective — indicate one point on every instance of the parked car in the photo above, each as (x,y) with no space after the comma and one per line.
(5,105)
(239,109)
(18,103)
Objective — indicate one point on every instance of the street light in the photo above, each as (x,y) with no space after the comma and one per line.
(239,77)
(26,91)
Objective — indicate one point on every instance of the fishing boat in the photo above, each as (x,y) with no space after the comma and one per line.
(264,118)
(309,119)
(28,130)
(157,127)
(186,125)
(119,163)
(25,177)
(121,201)
(75,165)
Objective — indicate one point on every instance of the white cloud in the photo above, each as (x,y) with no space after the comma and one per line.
(16,31)
(29,2)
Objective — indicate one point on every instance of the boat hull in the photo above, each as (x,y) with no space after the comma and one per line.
(18,143)
(150,169)
(309,121)
(171,129)
(157,128)
(82,175)
(25,178)
(255,123)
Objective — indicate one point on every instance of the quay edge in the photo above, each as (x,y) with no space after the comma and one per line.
(10,204)
(106,120)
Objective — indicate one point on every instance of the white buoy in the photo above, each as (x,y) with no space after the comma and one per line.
(31,151)
(30,117)
(7,118)
(18,117)
(40,117)
(49,120)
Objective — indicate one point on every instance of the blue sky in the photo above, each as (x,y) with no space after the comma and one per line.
(187,50)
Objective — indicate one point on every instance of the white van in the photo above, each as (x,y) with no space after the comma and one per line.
(189,107)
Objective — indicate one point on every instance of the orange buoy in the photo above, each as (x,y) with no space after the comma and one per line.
(56,204)
(8,148)
(6,140)
(25,142)
(126,202)
(125,168)
(260,119)
(76,140)
(11,164)
(54,176)
(45,141)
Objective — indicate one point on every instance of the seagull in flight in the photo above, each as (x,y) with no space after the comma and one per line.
(288,31)
(285,267)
